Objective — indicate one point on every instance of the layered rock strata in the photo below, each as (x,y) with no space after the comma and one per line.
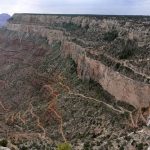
(122,87)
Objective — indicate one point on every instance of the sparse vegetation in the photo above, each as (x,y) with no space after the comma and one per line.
(87,146)
(140,146)
(56,45)
(64,146)
(46,64)
(24,148)
(129,48)
(49,103)
(3,142)
(70,26)
(111,35)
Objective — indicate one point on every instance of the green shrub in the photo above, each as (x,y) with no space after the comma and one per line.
(140,146)
(24,148)
(73,67)
(56,45)
(129,48)
(3,143)
(110,35)
(87,146)
(64,146)
(70,26)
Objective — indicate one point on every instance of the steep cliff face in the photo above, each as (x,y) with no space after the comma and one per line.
(51,35)
(135,27)
(124,88)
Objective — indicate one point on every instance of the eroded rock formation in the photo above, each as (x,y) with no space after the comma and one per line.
(124,88)
(60,77)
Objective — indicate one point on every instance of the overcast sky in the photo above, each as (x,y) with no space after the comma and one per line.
(113,7)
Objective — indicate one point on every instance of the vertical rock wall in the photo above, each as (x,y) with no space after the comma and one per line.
(123,88)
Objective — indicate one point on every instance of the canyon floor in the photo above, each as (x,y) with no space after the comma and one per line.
(44,103)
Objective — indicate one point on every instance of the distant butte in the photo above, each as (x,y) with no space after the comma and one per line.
(3,18)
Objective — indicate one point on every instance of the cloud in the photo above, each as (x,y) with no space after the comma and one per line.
(120,7)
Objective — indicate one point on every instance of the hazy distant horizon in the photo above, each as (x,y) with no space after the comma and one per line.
(70,14)
(95,7)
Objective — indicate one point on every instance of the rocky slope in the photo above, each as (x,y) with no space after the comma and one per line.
(118,85)
(73,79)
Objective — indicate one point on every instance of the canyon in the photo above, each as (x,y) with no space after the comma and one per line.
(120,86)
(64,70)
